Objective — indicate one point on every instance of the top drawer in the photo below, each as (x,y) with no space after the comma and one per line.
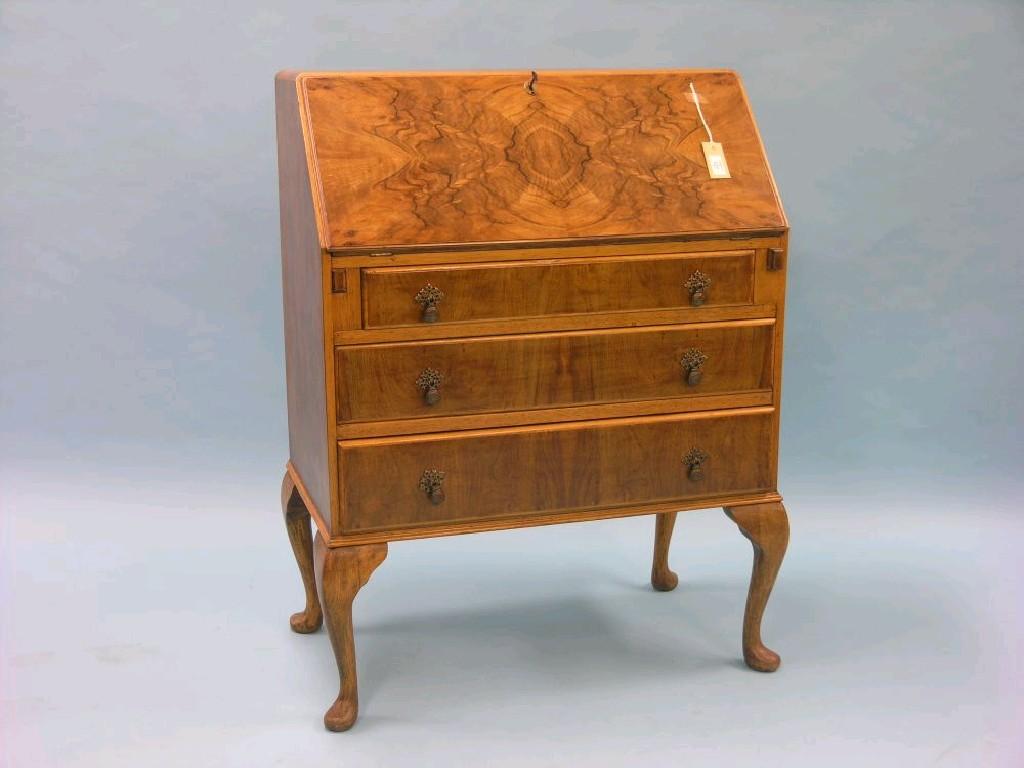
(398,296)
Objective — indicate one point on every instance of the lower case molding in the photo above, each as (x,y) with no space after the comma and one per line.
(553,518)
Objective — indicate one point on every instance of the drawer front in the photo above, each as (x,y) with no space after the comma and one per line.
(397,296)
(511,373)
(493,474)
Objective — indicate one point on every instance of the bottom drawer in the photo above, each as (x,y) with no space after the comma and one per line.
(388,484)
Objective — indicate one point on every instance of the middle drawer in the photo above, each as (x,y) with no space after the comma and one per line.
(544,370)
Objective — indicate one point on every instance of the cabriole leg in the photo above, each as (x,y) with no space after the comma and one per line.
(296,520)
(342,572)
(663,578)
(767,527)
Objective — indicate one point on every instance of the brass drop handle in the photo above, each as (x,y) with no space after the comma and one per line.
(698,284)
(431,484)
(428,298)
(429,382)
(692,363)
(694,461)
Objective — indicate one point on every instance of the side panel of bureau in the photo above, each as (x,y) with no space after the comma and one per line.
(507,373)
(556,287)
(302,268)
(503,473)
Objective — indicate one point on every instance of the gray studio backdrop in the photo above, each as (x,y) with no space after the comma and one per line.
(140,291)
(145,577)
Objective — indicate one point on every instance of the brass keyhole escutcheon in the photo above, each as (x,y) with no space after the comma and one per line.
(530,86)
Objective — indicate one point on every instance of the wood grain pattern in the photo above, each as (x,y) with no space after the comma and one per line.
(297,523)
(663,578)
(557,287)
(513,373)
(431,158)
(492,474)
(767,528)
(342,572)
(301,263)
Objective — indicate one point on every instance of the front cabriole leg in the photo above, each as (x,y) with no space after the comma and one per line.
(342,572)
(767,527)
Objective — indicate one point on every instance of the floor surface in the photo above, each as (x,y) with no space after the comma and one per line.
(157,635)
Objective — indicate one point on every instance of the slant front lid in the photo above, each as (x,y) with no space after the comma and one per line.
(451,158)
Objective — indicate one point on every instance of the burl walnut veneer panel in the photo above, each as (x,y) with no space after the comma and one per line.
(421,159)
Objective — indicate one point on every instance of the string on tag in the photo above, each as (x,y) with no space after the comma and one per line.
(714,155)
(700,112)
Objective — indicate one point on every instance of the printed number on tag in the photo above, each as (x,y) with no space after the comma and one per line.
(715,156)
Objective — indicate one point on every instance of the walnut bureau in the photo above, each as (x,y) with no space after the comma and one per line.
(521,298)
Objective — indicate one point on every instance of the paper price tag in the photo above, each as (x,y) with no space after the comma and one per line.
(715,157)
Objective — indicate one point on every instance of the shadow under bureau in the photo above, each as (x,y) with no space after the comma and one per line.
(523,298)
